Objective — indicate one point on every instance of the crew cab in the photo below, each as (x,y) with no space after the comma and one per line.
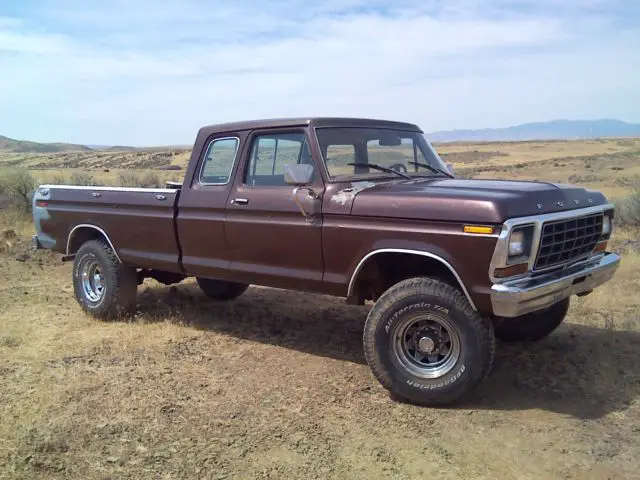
(356,208)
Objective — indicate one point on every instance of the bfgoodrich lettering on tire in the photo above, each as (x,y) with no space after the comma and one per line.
(425,343)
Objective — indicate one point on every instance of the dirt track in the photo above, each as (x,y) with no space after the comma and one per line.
(274,385)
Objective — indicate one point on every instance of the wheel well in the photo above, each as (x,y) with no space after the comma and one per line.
(385,269)
(81,235)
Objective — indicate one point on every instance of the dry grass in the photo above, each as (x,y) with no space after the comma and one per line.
(610,165)
(274,385)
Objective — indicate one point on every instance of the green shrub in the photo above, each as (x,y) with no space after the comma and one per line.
(18,186)
(628,210)
(83,179)
(128,179)
(58,180)
(147,180)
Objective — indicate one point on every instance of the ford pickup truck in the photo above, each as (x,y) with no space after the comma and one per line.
(356,208)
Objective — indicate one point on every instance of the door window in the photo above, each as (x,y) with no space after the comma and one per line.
(270,153)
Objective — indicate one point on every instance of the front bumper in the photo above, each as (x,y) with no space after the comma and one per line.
(521,296)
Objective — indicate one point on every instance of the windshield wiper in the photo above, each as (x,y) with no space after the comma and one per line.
(433,169)
(381,168)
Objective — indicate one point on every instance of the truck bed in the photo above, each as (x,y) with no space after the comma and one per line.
(138,222)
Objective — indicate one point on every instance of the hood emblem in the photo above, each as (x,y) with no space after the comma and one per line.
(539,205)
(560,204)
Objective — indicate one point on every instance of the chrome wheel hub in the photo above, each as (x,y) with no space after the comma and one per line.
(92,280)
(427,345)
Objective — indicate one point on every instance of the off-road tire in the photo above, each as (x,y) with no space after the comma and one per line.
(220,289)
(120,282)
(533,326)
(429,297)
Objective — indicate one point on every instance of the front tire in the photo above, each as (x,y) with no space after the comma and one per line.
(103,286)
(533,326)
(426,344)
(221,289)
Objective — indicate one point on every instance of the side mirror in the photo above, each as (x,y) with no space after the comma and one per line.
(298,174)
(450,168)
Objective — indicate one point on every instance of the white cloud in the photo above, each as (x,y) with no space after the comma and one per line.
(153,72)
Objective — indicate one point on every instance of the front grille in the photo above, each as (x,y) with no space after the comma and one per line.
(565,240)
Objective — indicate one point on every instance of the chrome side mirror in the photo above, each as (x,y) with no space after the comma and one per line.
(298,174)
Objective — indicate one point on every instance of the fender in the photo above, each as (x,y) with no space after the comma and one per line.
(99,230)
(412,252)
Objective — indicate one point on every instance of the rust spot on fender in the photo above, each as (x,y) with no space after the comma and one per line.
(346,194)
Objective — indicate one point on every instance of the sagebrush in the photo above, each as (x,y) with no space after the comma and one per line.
(147,180)
(18,186)
(628,210)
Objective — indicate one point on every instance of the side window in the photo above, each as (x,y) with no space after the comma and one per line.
(218,161)
(269,155)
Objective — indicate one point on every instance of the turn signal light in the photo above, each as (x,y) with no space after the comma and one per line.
(42,203)
(600,247)
(511,270)
(477,229)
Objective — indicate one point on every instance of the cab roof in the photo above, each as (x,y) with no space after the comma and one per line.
(305,122)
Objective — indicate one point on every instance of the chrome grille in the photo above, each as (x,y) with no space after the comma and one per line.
(565,240)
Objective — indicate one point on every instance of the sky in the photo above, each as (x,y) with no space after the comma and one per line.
(149,72)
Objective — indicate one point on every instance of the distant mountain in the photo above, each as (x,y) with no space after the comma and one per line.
(98,147)
(552,130)
(9,145)
(121,148)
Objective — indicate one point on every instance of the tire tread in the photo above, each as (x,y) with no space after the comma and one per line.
(123,282)
(428,286)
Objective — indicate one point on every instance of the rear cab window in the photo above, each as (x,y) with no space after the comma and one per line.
(219,160)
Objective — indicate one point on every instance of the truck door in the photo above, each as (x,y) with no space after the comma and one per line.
(270,241)
(202,205)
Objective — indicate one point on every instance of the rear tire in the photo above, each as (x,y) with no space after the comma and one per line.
(426,344)
(533,326)
(220,289)
(103,286)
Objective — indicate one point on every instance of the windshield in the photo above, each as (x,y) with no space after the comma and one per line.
(399,150)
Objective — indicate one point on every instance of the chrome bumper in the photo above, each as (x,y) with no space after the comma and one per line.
(512,299)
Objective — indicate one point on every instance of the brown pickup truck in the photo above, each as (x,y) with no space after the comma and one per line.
(355,208)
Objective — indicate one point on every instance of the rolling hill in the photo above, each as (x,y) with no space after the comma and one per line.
(552,130)
(9,145)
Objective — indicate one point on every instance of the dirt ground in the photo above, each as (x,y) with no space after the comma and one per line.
(274,385)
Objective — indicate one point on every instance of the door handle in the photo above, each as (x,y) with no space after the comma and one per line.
(161,197)
(240,201)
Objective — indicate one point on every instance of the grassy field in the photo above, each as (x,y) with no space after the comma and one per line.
(274,384)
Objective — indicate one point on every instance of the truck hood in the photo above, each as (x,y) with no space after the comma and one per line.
(461,200)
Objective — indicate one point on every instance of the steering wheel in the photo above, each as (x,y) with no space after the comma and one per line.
(398,167)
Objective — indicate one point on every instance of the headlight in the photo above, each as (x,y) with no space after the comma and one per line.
(520,243)
(516,243)
(606,225)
